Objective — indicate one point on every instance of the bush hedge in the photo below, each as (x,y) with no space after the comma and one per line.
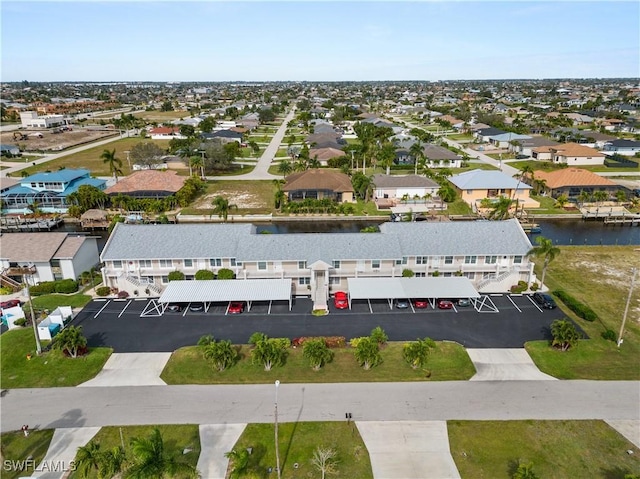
(581,309)
(103,291)
(61,286)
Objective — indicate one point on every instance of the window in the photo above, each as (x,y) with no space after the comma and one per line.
(517,259)
(375,264)
(303,281)
(189,277)
(166,263)
(232,262)
(404,260)
(471,276)
(262,265)
(165,279)
(188,263)
(336,264)
(422,259)
(302,265)
(448,260)
(421,275)
(470,259)
(215,262)
(334,280)
(145,263)
(490,259)
(117,264)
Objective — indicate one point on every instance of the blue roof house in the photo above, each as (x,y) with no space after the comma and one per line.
(475,185)
(48,190)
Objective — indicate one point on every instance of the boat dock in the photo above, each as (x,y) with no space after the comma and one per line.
(19,224)
(611,215)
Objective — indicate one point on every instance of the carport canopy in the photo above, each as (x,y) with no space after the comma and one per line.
(211,291)
(453,287)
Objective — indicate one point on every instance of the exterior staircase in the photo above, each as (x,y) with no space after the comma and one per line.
(498,279)
(7,282)
(142,284)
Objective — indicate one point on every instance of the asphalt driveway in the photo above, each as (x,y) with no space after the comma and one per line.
(118,324)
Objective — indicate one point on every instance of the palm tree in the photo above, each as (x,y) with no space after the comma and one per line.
(88,457)
(239,462)
(547,250)
(152,461)
(115,164)
(196,162)
(222,207)
(386,155)
(584,197)
(70,339)
(417,151)
(600,196)
(526,169)
(500,210)
(285,167)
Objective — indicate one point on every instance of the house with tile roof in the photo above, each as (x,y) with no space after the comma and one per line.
(49,191)
(571,154)
(572,181)
(318,184)
(148,184)
(476,185)
(492,255)
(53,255)
(325,154)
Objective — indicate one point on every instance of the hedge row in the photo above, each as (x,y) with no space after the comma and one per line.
(581,309)
(48,287)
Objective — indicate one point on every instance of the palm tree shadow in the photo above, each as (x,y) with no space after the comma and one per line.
(293,431)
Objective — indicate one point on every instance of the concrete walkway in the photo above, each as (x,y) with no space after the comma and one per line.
(409,450)
(629,428)
(62,450)
(505,365)
(215,441)
(131,369)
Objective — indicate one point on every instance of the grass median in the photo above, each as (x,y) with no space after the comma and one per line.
(449,362)
(50,369)
(600,277)
(558,449)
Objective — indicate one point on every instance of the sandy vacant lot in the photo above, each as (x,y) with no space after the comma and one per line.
(53,141)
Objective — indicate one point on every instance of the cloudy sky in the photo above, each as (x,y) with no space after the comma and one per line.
(316,41)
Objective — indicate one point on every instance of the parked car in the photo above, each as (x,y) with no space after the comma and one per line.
(420,303)
(236,307)
(11,303)
(340,300)
(544,300)
(196,307)
(464,302)
(445,304)
(174,307)
(402,303)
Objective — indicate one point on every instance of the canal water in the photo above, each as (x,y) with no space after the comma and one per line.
(561,231)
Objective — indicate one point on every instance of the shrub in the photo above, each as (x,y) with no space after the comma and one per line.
(354,342)
(204,274)
(20,322)
(66,286)
(581,309)
(123,294)
(46,287)
(609,335)
(520,287)
(534,287)
(225,273)
(379,336)
(175,276)
(407,273)
(103,291)
(335,341)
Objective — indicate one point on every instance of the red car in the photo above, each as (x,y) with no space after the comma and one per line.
(420,303)
(236,307)
(340,300)
(12,303)
(444,304)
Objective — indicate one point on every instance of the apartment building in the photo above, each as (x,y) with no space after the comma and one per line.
(491,254)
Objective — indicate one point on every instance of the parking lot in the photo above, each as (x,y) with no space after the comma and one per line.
(118,323)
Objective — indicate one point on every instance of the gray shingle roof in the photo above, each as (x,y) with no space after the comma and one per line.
(484,179)
(395,181)
(241,242)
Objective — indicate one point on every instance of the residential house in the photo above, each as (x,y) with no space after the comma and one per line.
(166,133)
(621,147)
(53,256)
(475,185)
(504,140)
(319,184)
(9,150)
(397,187)
(493,255)
(48,191)
(526,146)
(325,154)
(572,181)
(484,135)
(440,157)
(148,184)
(574,154)
(223,136)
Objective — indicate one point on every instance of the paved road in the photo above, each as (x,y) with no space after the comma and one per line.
(89,407)
(261,171)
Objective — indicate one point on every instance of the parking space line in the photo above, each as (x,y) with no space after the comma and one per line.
(534,303)
(513,302)
(124,309)
(454,306)
(226,311)
(105,305)
(269,310)
(370,308)
(186,308)
(141,299)
(412,308)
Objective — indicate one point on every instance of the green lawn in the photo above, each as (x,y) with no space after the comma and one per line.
(52,301)
(90,159)
(17,447)
(449,362)
(548,166)
(176,438)
(548,207)
(458,207)
(557,449)
(50,369)
(599,276)
(297,443)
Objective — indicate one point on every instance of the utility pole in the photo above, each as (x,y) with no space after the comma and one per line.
(33,316)
(276,432)
(626,308)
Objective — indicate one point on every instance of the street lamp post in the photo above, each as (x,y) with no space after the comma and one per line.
(276,431)
(29,267)
(626,308)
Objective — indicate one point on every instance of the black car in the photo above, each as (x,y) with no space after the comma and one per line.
(544,300)
(196,307)
(174,307)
